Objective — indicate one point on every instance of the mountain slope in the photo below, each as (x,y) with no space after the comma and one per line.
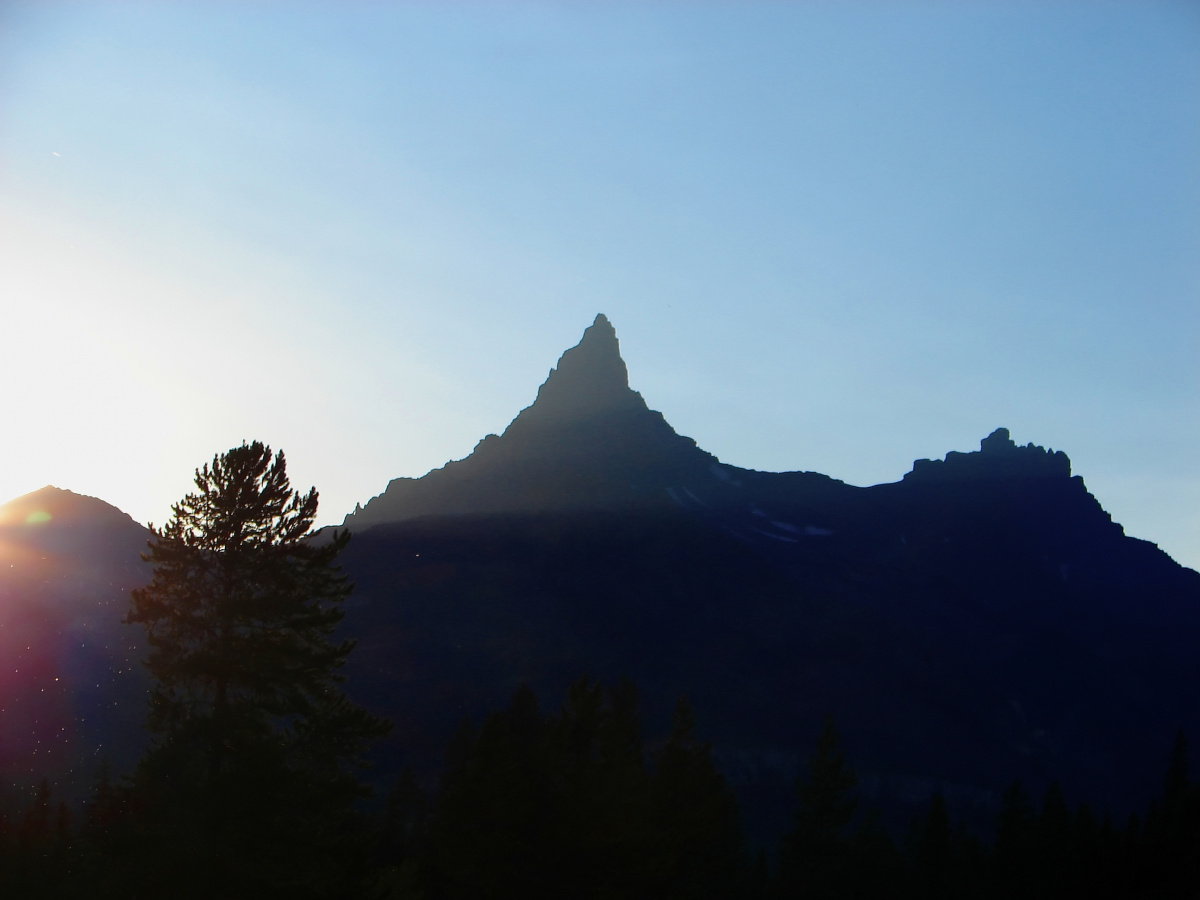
(980,620)
(73,691)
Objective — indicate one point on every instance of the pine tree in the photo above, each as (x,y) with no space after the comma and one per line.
(599,771)
(251,778)
(402,837)
(1177,781)
(813,856)
(1015,836)
(497,829)
(700,848)
(1055,850)
(1175,837)
(562,806)
(933,856)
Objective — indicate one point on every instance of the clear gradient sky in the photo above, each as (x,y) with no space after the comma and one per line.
(834,236)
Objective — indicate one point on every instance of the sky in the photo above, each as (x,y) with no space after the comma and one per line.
(832,236)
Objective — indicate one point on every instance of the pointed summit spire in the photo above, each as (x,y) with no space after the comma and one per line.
(589,379)
(587,442)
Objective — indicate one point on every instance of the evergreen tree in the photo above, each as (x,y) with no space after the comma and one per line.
(599,769)
(1174,832)
(1177,781)
(1015,835)
(700,850)
(933,851)
(1055,862)
(39,865)
(813,856)
(404,821)
(497,829)
(875,868)
(1092,856)
(248,789)
(402,837)
(562,806)
(760,877)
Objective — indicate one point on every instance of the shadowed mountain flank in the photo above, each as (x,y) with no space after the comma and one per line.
(979,620)
(587,442)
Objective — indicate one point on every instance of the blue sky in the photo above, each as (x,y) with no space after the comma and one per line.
(831,236)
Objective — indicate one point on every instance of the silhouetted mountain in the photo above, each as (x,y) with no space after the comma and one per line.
(73,691)
(980,620)
(587,442)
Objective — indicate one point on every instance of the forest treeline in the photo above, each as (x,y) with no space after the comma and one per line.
(571,804)
(253,785)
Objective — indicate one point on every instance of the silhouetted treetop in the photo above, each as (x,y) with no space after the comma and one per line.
(253,773)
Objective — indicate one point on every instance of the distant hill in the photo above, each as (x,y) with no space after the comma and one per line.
(73,691)
(980,620)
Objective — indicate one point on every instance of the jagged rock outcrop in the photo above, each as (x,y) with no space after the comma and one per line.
(590,380)
(998,457)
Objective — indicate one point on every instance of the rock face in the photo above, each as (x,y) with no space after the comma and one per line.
(588,441)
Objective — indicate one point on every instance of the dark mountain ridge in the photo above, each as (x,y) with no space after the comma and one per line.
(981,619)
(589,442)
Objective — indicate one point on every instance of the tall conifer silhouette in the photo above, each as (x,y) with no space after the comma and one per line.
(250,783)
(813,856)
(700,850)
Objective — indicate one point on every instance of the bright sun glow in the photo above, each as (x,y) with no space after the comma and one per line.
(89,381)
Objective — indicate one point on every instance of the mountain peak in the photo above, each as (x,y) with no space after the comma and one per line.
(586,442)
(999,441)
(605,326)
(590,379)
(998,456)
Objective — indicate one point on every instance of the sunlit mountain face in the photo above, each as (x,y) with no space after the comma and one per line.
(71,687)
